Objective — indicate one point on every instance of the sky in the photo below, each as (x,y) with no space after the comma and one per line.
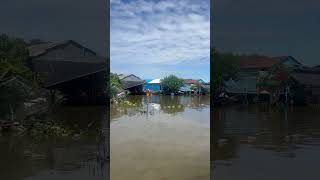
(156,38)
(85,21)
(268,27)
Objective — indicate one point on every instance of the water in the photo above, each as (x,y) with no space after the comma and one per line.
(161,138)
(262,142)
(24,158)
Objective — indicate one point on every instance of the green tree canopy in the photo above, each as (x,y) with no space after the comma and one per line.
(115,86)
(13,55)
(171,84)
(15,76)
(223,67)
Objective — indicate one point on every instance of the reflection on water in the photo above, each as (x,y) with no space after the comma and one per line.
(160,138)
(262,142)
(22,158)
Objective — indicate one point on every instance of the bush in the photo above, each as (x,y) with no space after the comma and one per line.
(115,86)
(171,84)
(13,55)
(15,76)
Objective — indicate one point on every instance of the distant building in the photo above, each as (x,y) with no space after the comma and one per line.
(308,88)
(132,83)
(251,67)
(199,84)
(206,87)
(153,85)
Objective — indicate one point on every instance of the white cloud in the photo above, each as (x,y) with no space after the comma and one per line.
(165,32)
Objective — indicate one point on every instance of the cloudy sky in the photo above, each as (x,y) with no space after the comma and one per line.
(269,27)
(155,38)
(85,21)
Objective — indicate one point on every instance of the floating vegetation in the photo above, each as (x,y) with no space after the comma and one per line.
(126,103)
(45,130)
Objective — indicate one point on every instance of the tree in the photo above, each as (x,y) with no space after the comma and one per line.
(171,84)
(224,66)
(13,55)
(15,76)
(115,86)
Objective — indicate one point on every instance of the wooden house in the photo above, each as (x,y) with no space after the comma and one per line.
(132,83)
(253,66)
(201,87)
(308,85)
(76,71)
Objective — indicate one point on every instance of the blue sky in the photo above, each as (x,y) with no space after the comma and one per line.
(268,27)
(155,38)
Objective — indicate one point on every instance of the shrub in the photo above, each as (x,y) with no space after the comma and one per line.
(171,84)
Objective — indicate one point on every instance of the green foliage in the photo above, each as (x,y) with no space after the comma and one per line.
(11,95)
(15,76)
(44,130)
(171,84)
(13,56)
(115,86)
(223,67)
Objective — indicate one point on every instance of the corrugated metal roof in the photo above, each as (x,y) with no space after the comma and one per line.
(256,62)
(86,59)
(56,72)
(129,81)
(243,85)
(261,62)
(40,49)
(130,84)
(155,81)
(191,81)
(185,88)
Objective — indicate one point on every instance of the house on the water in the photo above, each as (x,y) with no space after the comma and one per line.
(307,89)
(206,88)
(132,83)
(194,86)
(152,84)
(76,71)
(250,67)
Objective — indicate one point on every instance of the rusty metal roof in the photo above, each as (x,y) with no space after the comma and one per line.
(257,62)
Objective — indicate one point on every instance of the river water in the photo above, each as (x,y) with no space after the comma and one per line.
(161,138)
(24,158)
(262,142)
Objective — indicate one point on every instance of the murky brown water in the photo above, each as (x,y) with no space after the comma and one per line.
(23,158)
(162,138)
(262,142)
